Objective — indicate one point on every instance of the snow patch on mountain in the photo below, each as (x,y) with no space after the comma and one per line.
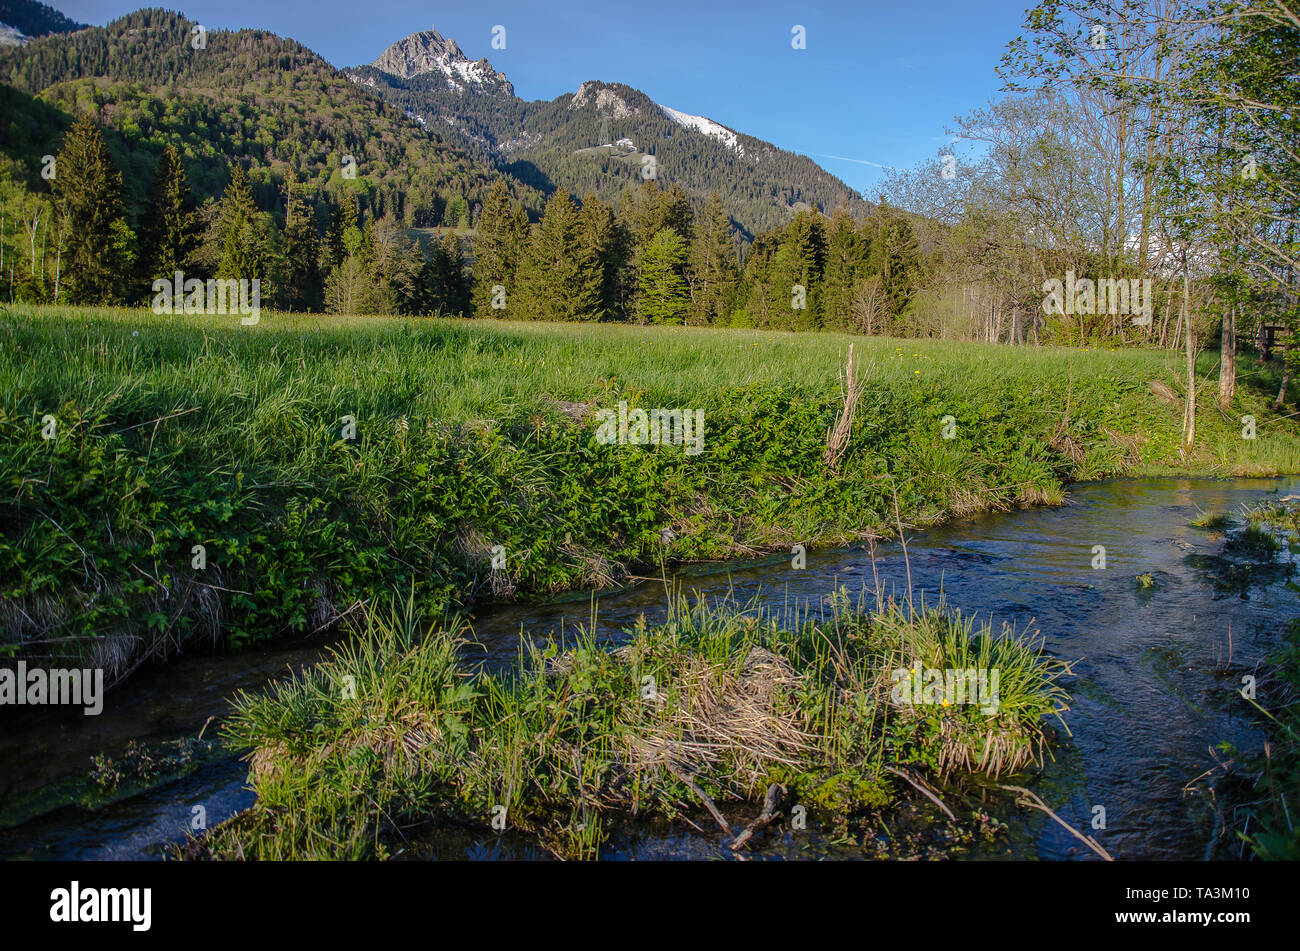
(10,36)
(707,126)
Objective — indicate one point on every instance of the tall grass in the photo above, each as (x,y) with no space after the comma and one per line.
(719,701)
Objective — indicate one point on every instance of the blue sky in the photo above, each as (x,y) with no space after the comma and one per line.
(877,83)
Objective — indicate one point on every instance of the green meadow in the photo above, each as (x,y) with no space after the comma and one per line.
(181,481)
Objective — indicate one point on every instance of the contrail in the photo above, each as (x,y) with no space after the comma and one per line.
(845,158)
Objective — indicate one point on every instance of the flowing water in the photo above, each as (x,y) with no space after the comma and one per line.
(1156,669)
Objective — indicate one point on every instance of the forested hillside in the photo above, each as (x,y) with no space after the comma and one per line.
(250,96)
(572,141)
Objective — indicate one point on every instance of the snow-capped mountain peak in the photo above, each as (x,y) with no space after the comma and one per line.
(429,52)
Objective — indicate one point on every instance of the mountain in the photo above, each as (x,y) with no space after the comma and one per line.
(428,52)
(249,95)
(602,138)
(20,20)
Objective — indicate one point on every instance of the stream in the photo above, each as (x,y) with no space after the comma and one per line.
(1151,697)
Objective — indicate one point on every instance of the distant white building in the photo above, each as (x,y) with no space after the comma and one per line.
(626,144)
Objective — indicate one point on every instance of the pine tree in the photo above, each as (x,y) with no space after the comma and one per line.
(663,295)
(169,232)
(96,255)
(713,271)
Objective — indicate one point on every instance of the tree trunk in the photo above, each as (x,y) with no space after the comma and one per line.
(1189,416)
(1228,358)
(1281,393)
(1164,325)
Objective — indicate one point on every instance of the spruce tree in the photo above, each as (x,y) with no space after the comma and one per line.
(333,249)
(843,264)
(713,271)
(240,235)
(169,232)
(446,282)
(663,294)
(895,255)
(498,246)
(604,240)
(348,287)
(756,288)
(302,286)
(562,278)
(651,209)
(798,264)
(97,244)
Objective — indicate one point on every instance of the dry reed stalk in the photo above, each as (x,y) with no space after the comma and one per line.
(837,438)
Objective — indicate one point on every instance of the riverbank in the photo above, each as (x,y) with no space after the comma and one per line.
(1266,790)
(1148,686)
(209,484)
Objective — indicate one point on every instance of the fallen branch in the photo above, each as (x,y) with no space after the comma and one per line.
(923,790)
(771,805)
(704,798)
(1032,800)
